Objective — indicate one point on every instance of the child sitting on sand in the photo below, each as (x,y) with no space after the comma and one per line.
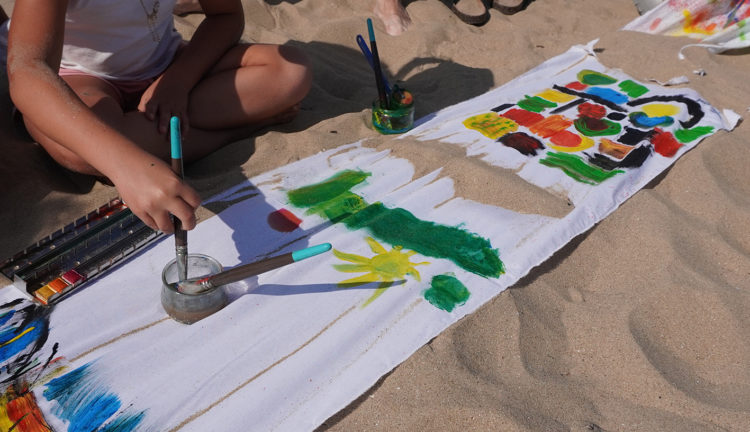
(97,82)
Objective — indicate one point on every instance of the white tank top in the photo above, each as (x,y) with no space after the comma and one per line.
(120,39)
(116,39)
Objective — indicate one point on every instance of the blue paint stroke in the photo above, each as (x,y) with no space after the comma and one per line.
(6,316)
(642,120)
(8,349)
(608,94)
(86,404)
(123,423)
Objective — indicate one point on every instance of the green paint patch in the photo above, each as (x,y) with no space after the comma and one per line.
(633,89)
(333,200)
(317,193)
(590,77)
(446,292)
(687,135)
(596,127)
(576,168)
(535,104)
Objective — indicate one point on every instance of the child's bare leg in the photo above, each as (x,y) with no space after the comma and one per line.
(393,15)
(100,97)
(252,84)
(223,108)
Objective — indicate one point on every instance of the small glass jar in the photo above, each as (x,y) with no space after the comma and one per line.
(392,121)
(189,308)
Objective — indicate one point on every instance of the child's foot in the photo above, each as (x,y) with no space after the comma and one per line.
(393,15)
(186,7)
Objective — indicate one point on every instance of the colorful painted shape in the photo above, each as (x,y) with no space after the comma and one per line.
(643,120)
(283,220)
(576,168)
(632,88)
(550,126)
(525,144)
(21,413)
(491,125)
(613,149)
(555,96)
(535,104)
(331,198)
(567,141)
(596,127)
(523,117)
(633,137)
(446,292)
(608,94)
(665,143)
(86,404)
(385,267)
(592,110)
(689,135)
(590,77)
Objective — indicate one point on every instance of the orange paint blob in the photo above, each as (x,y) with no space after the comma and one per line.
(550,126)
(24,412)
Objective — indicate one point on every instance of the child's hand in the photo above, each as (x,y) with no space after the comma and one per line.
(153,192)
(164,99)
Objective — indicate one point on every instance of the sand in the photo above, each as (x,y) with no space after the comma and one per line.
(640,324)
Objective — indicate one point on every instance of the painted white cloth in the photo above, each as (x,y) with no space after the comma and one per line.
(297,344)
(115,39)
(718,25)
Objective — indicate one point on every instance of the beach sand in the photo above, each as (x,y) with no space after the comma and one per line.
(640,324)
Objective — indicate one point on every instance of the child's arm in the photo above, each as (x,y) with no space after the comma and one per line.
(220,30)
(145,182)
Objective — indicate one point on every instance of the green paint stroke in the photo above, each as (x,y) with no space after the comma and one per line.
(741,25)
(633,89)
(576,168)
(590,77)
(343,181)
(535,104)
(687,135)
(611,128)
(333,200)
(446,292)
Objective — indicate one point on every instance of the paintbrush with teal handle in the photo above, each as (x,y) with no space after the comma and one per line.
(180,235)
(205,283)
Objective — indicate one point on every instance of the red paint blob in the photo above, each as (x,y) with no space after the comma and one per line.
(283,220)
(575,85)
(591,110)
(654,24)
(665,143)
(523,117)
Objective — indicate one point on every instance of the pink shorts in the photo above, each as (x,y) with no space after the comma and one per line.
(128,91)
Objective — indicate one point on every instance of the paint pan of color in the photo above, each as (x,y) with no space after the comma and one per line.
(398,119)
(189,308)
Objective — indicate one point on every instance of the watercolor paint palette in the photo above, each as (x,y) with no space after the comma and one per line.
(67,259)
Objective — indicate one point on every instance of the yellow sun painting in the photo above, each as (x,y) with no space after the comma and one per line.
(385,267)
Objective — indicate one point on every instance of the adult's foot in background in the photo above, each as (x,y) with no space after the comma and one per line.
(393,15)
